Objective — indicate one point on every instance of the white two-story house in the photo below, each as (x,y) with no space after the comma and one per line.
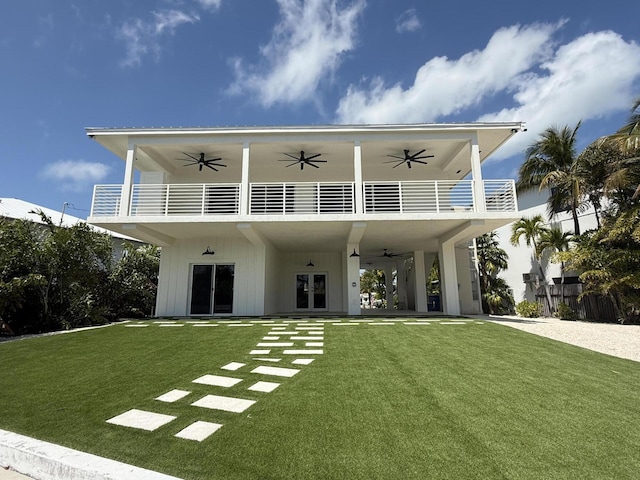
(266,220)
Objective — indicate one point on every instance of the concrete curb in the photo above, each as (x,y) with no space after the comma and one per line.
(47,461)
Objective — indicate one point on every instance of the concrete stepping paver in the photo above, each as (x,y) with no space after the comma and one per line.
(217,381)
(314,344)
(275,371)
(227,404)
(233,366)
(282,332)
(199,431)
(173,396)
(206,325)
(303,352)
(259,352)
(141,419)
(264,387)
(274,344)
(318,337)
(171,325)
(302,361)
(271,338)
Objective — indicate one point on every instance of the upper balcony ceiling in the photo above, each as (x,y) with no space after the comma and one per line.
(168,150)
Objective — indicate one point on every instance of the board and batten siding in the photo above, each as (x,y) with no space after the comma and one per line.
(175,274)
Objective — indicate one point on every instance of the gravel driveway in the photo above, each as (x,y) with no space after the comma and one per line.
(613,339)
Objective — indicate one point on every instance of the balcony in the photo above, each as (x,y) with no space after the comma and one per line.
(303,198)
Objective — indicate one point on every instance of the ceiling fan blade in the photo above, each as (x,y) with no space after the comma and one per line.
(316,161)
(423,156)
(395,156)
(212,160)
(291,164)
(216,164)
(408,163)
(301,165)
(190,156)
(314,166)
(397,164)
(314,156)
(420,161)
(200,168)
(418,153)
(190,163)
(292,156)
(209,166)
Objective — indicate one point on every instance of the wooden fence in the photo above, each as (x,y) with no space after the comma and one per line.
(590,307)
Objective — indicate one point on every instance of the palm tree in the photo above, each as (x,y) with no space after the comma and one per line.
(556,240)
(551,163)
(491,260)
(531,229)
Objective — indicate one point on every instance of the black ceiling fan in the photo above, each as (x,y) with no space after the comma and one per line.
(408,158)
(302,160)
(387,254)
(201,162)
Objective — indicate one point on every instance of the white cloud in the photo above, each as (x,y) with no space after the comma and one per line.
(143,37)
(408,21)
(76,174)
(306,48)
(210,4)
(444,87)
(590,77)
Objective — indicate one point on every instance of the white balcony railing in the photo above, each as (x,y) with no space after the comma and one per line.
(433,196)
(301,198)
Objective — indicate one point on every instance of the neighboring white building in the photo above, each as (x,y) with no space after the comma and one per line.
(264,220)
(522,271)
(15,208)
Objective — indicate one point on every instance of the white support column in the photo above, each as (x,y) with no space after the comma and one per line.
(449,279)
(401,285)
(476,176)
(125,196)
(388,284)
(244,186)
(357,176)
(353,280)
(421,281)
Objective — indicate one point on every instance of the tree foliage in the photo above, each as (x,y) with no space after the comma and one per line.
(496,295)
(59,278)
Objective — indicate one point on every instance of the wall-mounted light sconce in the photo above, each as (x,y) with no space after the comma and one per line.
(354,254)
(310,264)
(208,251)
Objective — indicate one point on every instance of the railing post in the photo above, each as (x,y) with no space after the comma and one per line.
(437,197)
(515,195)
(167,189)
(400,199)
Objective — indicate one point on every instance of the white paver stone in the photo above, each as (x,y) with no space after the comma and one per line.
(233,366)
(173,396)
(274,344)
(381,323)
(268,359)
(275,371)
(314,338)
(271,338)
(347,324)
(171,325)
(264,387)
(303,352)
(452,323)
(198,431)
(314,344)
(217,381)
(227,404)
(311,327)
(240,325)
(302,361)
(259,352)
(206,325)
(282,332)
(141,419)
(416,323)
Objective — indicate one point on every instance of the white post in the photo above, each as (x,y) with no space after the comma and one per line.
(476,175)
(125,196)
(244,186)
(353,280)
(421,281)
(388,283)
(357,176)
(449,279)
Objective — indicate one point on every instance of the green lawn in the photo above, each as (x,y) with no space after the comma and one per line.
(475,401)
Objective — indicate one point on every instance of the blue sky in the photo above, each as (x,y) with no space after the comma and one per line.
(67,65)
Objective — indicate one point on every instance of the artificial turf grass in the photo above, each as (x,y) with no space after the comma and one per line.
(437,401)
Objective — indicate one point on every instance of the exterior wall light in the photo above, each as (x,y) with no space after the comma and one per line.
(310,264)
(354,254)
(208,251)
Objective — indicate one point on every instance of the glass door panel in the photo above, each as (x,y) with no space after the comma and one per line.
(223,291)
(302,291)
(319,291)
(201,289)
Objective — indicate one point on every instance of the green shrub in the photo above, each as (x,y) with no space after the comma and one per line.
(565,312)
(528,309)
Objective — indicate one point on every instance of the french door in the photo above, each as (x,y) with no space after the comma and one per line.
(311,291)
(211,289)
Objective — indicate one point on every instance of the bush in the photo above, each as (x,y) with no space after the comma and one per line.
(528,309)
(565,312)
